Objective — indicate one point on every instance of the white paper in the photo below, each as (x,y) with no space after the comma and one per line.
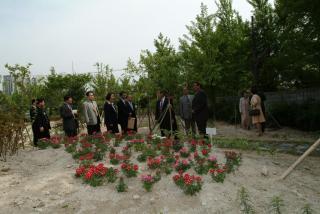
(211,131)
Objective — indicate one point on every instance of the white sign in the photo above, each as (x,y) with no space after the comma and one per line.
(211,131)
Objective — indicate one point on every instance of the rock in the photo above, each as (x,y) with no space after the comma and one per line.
(14,183)
(136,197)
(264,171)
(203,203)
(18,203)
(276,163)
(39,204)
(152,200)
(69,166)
(5,169)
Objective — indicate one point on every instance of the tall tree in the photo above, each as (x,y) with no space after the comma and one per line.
(264,44)
(299,56)
(161,67)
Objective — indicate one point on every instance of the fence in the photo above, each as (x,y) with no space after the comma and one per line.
(299,109)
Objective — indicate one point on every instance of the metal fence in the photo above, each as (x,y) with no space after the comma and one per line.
(297,96)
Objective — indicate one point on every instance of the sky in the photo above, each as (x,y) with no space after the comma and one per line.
(79,33)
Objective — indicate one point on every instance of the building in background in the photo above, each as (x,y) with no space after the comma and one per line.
(7,84)
(38,79)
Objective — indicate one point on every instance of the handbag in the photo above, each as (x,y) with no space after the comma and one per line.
(131,121)
(254,112)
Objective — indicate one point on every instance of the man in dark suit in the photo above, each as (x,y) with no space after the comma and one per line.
(41,124)
(132,111)
(70,123)
(200,108)
(123,111)
(165,114)
(110,114)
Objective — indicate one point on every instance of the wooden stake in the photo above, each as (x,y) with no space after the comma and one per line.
(301,158)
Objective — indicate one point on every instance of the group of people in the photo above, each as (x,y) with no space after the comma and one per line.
(193,111)
(122,113)
(252,110)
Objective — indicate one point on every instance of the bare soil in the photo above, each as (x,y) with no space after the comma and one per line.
(42,181)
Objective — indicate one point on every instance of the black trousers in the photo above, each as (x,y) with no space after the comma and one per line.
(93,129)
(70,133)
(124,126)
(189,123)
(113,128)
(202,125)
(39,135)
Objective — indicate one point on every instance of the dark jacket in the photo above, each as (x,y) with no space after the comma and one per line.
(69,120)
(110,118)
(33,113)
(165,124)
(41,120)
(132,110)
(123,114)
(200,106)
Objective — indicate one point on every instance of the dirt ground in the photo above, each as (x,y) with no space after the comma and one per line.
(278,135)
(42,181)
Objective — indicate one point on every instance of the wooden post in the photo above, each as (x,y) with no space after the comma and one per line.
(301,158)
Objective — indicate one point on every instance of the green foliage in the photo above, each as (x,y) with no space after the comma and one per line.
(276,205)
(58,85)
(121,187)
(305,116)
(307,209)
(298,58)
(12,127)
(246,206)
(163,66)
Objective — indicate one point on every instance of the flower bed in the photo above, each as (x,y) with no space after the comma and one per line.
(156,156)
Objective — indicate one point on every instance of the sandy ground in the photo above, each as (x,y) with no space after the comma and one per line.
(42,181)
(273,135)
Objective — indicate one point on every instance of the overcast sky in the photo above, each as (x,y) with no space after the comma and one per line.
(58,32)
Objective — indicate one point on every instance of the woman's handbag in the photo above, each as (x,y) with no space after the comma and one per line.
(254,112)
(131,122)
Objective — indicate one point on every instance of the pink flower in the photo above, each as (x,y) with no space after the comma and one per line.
(212,158)
(185,162)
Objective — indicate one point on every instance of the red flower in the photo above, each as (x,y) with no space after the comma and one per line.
(176,177)
(193,142)
(220,170)
(89,175)
(80,171)
(123,166)
(198,179)
(135,167)
(204,151)
(195,154)
(211,171)
(112,156)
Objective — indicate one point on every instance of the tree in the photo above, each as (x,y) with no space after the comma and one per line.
(299,32)
(162,68)
(58,85)
(21,79)
(264,45)
(215,51)
(100,82)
